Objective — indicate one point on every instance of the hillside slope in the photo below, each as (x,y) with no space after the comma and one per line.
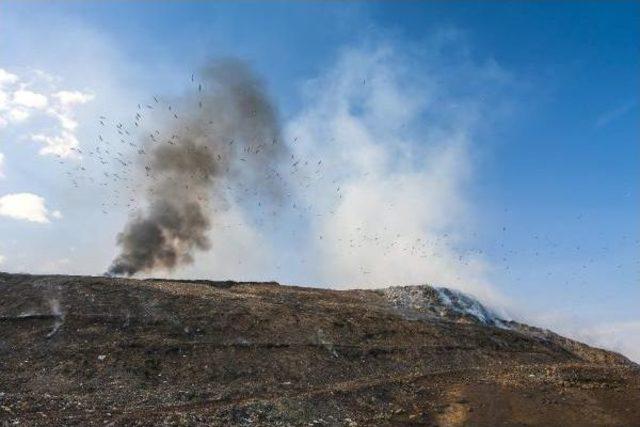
(100,351)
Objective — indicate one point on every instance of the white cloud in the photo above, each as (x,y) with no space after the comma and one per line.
(18,115)
(70,98)
(24,206)
(66,121)
(29,99)
(7,77)
(64,145)
(6,96)
(2,258)
(18,104)
(2,166)
(66,101)
(4,99)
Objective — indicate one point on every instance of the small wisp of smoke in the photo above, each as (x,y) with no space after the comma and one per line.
(58,313)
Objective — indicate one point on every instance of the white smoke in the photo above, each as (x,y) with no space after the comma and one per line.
(388,203)
(58,313)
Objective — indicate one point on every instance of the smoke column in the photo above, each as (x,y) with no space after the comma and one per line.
(224,130)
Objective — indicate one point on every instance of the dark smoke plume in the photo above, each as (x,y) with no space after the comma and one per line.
(224,130)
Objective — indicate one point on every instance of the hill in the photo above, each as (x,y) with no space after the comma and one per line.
(110,351)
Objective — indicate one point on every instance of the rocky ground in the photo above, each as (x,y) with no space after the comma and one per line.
(103,351)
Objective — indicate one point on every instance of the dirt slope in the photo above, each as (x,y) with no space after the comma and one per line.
(101,351)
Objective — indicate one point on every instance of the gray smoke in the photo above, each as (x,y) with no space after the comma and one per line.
(225,130)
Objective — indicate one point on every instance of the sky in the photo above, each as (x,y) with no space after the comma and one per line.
(491,147)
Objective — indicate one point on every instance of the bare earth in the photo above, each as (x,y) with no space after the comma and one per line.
(101,351)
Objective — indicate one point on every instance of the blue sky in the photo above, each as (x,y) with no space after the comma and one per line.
(543,197)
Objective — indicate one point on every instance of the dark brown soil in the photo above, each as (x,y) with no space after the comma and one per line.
(103,351)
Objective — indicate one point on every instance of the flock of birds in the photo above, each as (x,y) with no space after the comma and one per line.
(113,162)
